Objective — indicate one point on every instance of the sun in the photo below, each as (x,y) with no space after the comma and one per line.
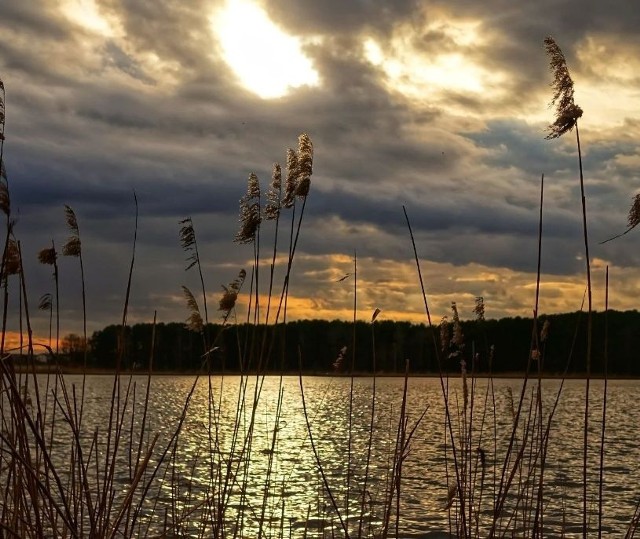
(266,60)
(433,74)
(86,14)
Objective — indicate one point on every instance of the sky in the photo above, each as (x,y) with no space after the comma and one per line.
(441,107)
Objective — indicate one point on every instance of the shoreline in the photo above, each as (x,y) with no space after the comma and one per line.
(40,369)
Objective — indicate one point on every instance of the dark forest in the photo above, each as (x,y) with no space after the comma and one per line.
(314,346)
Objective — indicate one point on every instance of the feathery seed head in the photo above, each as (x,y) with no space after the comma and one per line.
(48,256)
(567,112)
(187,234)
(73,246)
(228,299)
(339,362)
(545,331)
(46,302)
(188,242)
(302,189)
(305,157)
(12,260)
(230,293)
(72,221)
(253,186)
(444,334)
(633,219)
(305,166)
(250,217)
(478,310)
(458,337)
(274,195)
(194,321)
(292,179)
(634,213)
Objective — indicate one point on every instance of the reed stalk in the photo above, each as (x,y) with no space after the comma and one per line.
(444,390)
(604,401)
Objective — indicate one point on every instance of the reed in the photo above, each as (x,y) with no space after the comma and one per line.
(567,115)
(128,478)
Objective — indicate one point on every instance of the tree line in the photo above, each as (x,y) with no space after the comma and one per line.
(508,345)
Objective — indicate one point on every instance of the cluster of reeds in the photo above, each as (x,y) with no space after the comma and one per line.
(497,482)
(260,345)
(64,476)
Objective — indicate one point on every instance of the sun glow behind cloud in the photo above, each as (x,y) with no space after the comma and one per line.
(428,72)
(86,14)
(267,61)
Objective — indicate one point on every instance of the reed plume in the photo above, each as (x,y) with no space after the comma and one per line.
(12,259)
(305,156)
(544,333)
(274,195)
(49,256)
(250,215)
(478,309)
(188,242)
(305,165)
(634,213)
(458,337)
(73,247)
(230,293)
(45,302)
(567,115)
(292,179)
(338,364)
(567,112)
(194,321)
(444,334)
(633,219)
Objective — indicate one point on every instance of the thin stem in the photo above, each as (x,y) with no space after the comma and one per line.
(589,336)
(440,375)
(317,457)
(371,428)
(604,400)
(351,384)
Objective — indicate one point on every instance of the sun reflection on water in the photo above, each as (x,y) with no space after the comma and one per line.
(214,448)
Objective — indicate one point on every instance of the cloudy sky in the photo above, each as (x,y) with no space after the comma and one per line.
(438,106)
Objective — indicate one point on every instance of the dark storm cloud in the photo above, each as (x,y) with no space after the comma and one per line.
(154,108)
(337,17)
(36,16)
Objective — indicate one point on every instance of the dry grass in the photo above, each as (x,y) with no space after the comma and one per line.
(496,486)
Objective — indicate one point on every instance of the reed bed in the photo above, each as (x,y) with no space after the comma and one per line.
(66,476)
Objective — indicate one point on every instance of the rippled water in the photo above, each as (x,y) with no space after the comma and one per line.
(296,500)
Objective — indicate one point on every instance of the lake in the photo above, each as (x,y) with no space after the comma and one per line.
(265,445)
